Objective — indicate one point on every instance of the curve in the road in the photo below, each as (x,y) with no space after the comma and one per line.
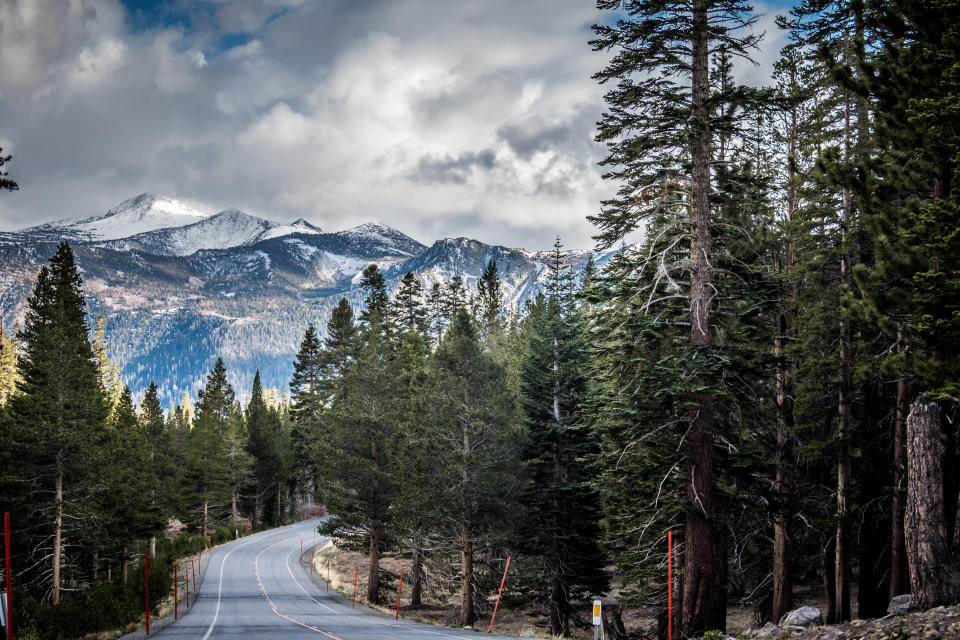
(283,605)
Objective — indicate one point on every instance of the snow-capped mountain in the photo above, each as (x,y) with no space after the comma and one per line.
(143,213)
(185,286)
(229,228)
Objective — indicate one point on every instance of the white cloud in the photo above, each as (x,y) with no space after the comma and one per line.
(443,119)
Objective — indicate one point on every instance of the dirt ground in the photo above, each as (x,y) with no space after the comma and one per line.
(345,565)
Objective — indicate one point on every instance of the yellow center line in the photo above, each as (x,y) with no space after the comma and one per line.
(256,570)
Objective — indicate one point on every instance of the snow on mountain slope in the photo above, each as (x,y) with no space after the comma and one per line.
(297,226)
(230,228)
(143,213)
(391,240)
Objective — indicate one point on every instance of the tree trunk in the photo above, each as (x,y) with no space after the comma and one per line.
(124,565)
(703,588)
(782,582)
(416,592)
(373,576)
(204,514)
(153,547)
(899,576)
(58,532)
(558,607)
(467,617)
(829,586)
(934,569)
(96,564)
(844,410)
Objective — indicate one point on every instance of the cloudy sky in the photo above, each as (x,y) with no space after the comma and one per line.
(440,118)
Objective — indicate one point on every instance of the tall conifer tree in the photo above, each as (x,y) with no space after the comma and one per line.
(660,132)
(57,421)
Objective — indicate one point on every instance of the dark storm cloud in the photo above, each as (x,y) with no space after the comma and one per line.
(455,170)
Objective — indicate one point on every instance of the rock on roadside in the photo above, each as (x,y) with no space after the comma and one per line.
(802,617)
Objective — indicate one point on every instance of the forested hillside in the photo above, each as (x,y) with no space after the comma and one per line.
(767,368)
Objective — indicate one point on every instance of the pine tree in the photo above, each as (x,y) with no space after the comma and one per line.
(355,466)
(309,399)
(8,365)
(561,516)
(472,408)
(407,311)
(207,461)
(5,182)
(265,447)
(134,514)
(659,131)
(56,422)
(377,301)
(490,299)
(412,455)
(109,372)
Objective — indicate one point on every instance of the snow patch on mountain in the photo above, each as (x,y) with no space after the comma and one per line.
(143,213)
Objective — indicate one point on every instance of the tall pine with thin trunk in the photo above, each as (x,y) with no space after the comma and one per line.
(659,129)
(56,422)
(560,509)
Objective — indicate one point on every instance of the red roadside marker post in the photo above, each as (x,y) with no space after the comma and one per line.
(7,570)
(502,580)
(355,576)
(146,585)
(176,590)
(669,585)
(397,617)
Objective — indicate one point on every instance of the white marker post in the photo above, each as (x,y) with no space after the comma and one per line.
(597,620)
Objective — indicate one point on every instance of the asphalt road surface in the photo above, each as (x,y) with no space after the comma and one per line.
(255,588)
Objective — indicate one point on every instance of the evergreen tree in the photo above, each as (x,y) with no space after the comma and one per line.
(472,411)
(377,301)
(109,372)
(134,514)
(265,447)
(560,520)
(407,309)
(412,454)
(658,131)
(5,182)
(8,365)
(207,461)
(490,299)
(357,485)
(56,423)
(309,399)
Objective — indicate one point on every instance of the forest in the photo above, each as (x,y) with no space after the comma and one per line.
(769,370)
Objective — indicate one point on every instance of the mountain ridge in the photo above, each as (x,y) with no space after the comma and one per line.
(170,314)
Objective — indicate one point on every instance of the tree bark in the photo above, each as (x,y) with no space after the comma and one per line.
(373,576)
(899,576)
(934,568)
(58,532)
(416,592)
(703,588)
(467,617)
(829,586)
(782,578)
(124,565)
(153,547)
(844,410)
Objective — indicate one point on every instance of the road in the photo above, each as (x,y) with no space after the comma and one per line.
(255,588)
